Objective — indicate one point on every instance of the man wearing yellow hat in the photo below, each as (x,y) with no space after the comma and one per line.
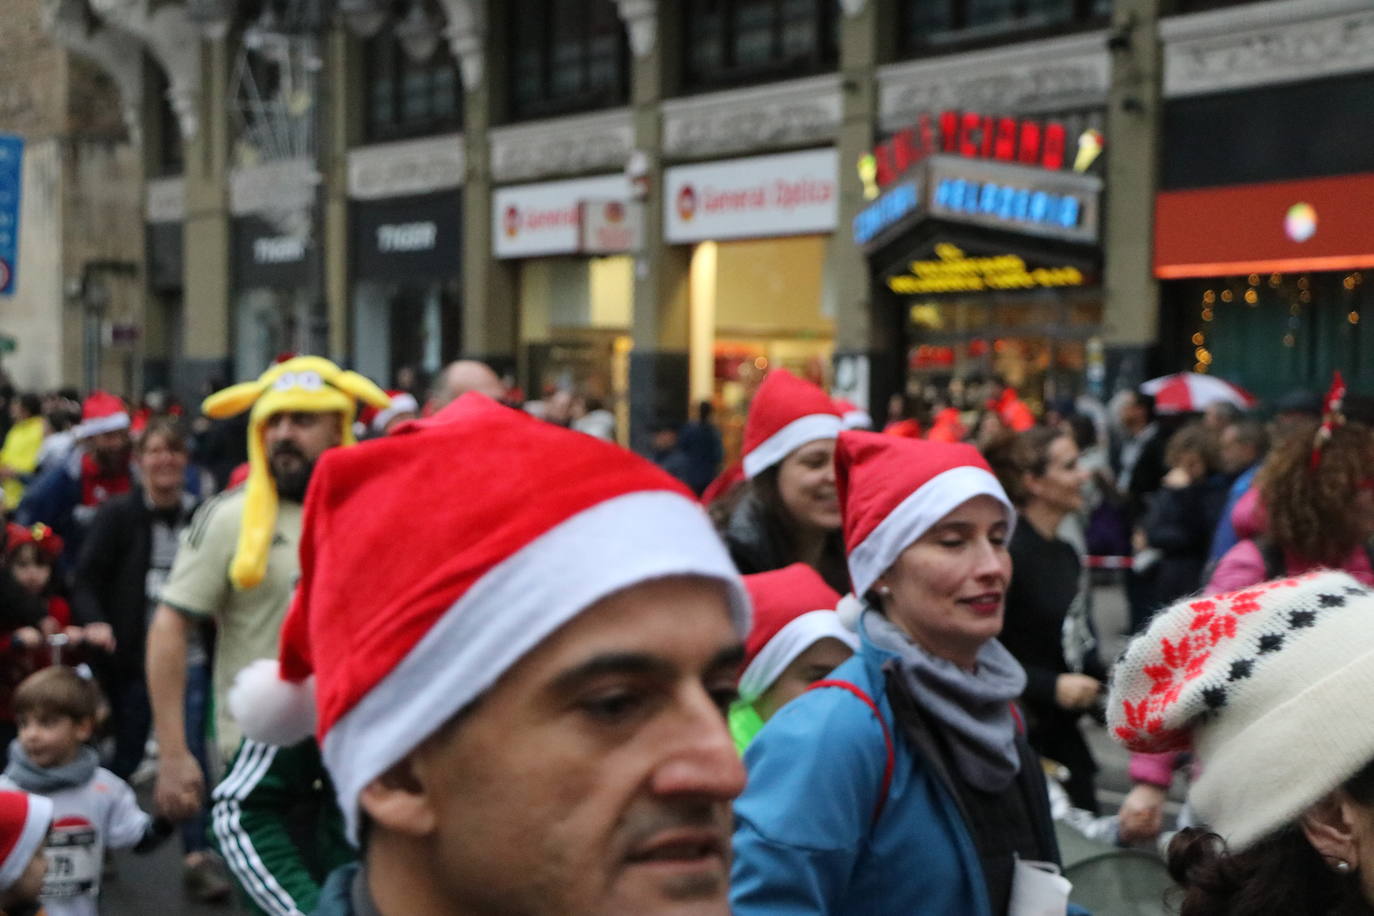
(237,561)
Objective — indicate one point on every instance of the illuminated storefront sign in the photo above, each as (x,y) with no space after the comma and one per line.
(1060,205)
(1007,202)
(953,271)
(886,211)
(972,136)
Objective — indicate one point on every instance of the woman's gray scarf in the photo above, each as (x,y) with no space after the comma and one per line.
(972,709)
(44,780)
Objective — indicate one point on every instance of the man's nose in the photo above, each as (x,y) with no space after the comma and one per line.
(703,762)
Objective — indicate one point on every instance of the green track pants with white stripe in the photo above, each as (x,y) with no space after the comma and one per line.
(278,826)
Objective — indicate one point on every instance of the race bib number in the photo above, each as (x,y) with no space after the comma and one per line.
(73,853)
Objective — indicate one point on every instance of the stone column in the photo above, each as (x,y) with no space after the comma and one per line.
(659,364)
(490,325)
(341,105)
(860,338)
(208,335)
(1134,123)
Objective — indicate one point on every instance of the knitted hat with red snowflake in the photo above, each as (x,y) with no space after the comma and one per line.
(374,420)
(893,489)
(101,412)
(24,823)
(786,413)
(523,525)
(793,610)
(1268,685)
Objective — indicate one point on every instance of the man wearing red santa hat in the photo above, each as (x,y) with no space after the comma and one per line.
(530,718)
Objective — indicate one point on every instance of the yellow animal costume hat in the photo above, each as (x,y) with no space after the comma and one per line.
(309,384)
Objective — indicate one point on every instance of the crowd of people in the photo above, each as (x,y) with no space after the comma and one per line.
(433,651)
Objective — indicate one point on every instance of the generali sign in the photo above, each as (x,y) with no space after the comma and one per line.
(755,197)
(531,220)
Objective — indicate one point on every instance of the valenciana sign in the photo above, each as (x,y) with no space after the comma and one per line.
(754,197)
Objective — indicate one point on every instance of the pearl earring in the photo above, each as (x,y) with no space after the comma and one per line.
(1342,867)
(884,591)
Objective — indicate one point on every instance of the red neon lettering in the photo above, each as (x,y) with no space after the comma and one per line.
(904,149)
(989,135)
(968,134)
(882,157)
(927,135)
(949,131)
(1055,140)
(1028,150)
(1005,147)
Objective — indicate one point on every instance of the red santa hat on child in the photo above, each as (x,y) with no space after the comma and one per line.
(101,412)
(374,419)
(786,413)
(892,490)
(793,610)
(376,671)
(24,823)
(852,416)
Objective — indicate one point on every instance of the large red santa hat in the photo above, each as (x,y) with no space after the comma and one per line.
(101,412)
(786,413)
(24,823)
(892,490)
(793,610)
(523,526)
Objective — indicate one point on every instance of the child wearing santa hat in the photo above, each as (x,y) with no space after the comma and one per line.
(787,510)
(797,639)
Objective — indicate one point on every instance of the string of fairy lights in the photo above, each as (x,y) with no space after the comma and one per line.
(1295,291)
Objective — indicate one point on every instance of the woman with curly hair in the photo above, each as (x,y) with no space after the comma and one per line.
(1319,508)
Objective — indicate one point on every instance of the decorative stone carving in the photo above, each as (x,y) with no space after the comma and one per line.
(407,167)
(1056,74)
(641,20)
(174,43)
(563,146)
(282,192)
(743,120)
(1277,42)
(467,36)
(165,200)
(68,22)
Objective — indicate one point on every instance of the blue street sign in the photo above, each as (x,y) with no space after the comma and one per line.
(11,172)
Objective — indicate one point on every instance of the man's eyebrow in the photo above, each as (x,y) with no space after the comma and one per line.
(638,663)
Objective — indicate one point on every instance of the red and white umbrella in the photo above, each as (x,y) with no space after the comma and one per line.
(1187,392)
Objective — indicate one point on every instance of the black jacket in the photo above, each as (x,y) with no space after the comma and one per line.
(1180,523)
(758,544)
(111,578)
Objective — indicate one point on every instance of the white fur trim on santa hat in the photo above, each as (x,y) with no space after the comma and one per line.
(790,438)
(37,823)
(400,403)
(270,709)
(914,516)
(616,544)
(106,424)
(791,641)
(856,419)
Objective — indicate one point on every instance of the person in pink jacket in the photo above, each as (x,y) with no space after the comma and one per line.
(1312,508)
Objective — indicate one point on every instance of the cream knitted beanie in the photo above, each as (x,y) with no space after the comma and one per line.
(1270,686)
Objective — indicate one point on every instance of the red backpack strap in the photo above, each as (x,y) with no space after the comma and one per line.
(1017,718)
(891,761)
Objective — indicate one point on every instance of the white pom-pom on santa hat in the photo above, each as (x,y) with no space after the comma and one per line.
(270,709)
(850,610)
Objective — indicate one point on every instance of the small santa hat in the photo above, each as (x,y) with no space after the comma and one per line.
(491,575)
(852,416)
(24,823)
(48,542)
(375,419)
(786,413)
(793,610)
(101,412)
(892,490)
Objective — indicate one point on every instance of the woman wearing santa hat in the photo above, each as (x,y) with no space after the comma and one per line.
(796,640)
(787,510)
(904,783)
